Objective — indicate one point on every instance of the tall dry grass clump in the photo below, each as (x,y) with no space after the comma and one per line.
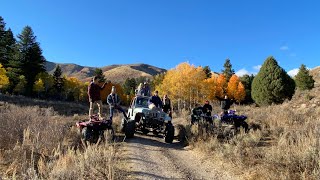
(38,143)
(283,143)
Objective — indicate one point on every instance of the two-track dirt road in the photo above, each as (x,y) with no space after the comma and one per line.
(148,157)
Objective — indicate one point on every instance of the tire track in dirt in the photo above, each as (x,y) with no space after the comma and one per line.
(148,157)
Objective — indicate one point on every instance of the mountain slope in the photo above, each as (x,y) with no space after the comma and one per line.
(315,72)
(115,73)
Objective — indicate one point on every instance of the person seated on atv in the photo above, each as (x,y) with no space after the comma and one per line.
(207,109)
(146,90)
(225,104)
(167,105)
(155,99)
(114,103)
(196,113)
(94,96)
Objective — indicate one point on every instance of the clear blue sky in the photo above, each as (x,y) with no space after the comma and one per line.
(165,33)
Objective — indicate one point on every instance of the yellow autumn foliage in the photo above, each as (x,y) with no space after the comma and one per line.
(4,80)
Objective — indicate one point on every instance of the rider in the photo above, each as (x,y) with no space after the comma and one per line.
(196,113)
(146,89)
(155,99)
(225,104)
(207,109)
(114,103)
(94,96)
(167,105)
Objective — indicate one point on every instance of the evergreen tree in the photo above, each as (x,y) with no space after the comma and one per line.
(58,82)
(247,82)
(227,71)
(7,44)
(303,80)
(3,59)
(207,70)
(129,86)
(98,72)
(14,66)
(272,84)
(31,57)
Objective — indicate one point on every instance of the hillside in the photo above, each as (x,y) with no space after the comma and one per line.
(315,72)
(115,73)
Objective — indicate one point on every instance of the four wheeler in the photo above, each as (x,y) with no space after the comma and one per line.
(228,124)
(144,117)
(199,115)
(96,130)
(237,120)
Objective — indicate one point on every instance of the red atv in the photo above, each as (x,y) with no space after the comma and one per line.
(96,130)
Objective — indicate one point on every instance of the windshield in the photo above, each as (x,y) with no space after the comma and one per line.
(142,102)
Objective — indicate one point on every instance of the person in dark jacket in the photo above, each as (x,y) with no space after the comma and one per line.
(196,114)
(207,109)
(167,105)
(114,103)
(94,96)
(155,99)
(146,89)
(225,103)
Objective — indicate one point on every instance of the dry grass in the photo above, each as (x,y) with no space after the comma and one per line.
(38,143)
(284,144)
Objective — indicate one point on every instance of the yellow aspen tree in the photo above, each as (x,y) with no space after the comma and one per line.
(72,88)
(221,86)
(210,87)
(38,86)
(241,93)
(105,91)
(83,96)
(183,84)
(4,80)
(232,86)
(47,80)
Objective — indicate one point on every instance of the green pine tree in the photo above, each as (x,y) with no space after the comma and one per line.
(303,80)
(247,82)
(272,84)
(98,72)
(227,71)
(7,44)
(3,59)
(31,57)
(58,82)
(129,86)
(207,70)
(14,66)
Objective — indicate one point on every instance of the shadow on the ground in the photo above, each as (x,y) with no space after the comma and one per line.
(151,140)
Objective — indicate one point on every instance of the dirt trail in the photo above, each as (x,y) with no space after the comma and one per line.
(148,157)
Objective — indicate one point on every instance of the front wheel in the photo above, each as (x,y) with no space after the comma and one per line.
(123,125)
(169,134)
(86,134)
(245,126)
(129,129)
